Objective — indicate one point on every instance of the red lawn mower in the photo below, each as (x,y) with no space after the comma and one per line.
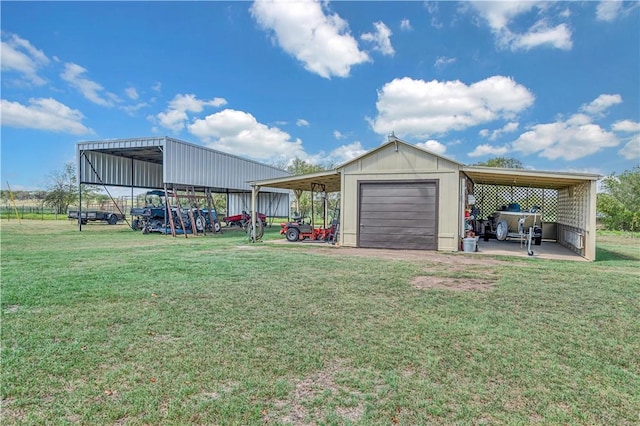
(298,229)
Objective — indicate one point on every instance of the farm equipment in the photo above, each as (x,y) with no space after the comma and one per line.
(153,216)
(511,222)
(297,229)
(95,216)
(243,219)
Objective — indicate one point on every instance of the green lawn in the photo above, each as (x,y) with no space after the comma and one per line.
(109,326)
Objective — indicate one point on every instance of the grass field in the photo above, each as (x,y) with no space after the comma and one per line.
(109,326)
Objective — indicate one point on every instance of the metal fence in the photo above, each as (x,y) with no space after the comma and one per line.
(8,212)
(33,211)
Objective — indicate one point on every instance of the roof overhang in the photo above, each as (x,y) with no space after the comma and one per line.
(149,150)
(329,179)
(526,178)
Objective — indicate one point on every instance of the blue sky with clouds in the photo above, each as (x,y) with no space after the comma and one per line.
(553,84)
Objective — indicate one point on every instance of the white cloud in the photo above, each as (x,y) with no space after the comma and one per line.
(626,126)
(565,13)
(43,114)
(601,103)
(433,146)
(345,153)
(94,92)
(381,39)
(574,138)
(320,41)
(631,151)
(501,16)
(540,34)
(132,109)
(18,55)
(338,135)
(301,122)
(442,61)
(131,93)
(239,133)
(493,135)
(175,116)
(432,8)
(486,149)
(608,10)
(419,108)
(405,25)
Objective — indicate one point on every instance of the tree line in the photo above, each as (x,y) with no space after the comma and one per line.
(618,203)
(61,193)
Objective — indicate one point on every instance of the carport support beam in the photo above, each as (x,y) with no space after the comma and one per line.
(80,191)
(590,234)
(254,195)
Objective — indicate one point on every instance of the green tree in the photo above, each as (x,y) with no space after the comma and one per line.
(63,190)
(619,204)
(503,162)
(301,167)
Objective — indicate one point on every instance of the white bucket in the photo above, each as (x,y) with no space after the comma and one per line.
(469,245)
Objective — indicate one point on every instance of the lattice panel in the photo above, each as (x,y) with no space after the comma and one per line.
(573,205)
(490,198)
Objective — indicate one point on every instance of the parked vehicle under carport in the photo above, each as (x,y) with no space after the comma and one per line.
(512,222)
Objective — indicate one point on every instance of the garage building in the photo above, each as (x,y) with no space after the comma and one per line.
(403,197)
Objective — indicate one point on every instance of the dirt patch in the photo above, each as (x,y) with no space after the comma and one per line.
(453,284)
(295,408)
(457,259)
(247,247)
(12,309)
(10,414)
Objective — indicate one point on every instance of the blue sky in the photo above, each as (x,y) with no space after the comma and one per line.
(553,84)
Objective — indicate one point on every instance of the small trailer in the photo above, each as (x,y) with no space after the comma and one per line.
(95,216)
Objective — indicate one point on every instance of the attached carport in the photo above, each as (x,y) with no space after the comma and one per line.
(568,201)
(328,181)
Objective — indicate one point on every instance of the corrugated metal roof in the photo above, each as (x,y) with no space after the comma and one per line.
(181,163)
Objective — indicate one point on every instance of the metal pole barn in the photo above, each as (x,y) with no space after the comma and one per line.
(80,194)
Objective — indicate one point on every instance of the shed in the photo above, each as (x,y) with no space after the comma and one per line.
(401,196)
(164,162)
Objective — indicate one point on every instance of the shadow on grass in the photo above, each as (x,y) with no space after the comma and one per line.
(605,255)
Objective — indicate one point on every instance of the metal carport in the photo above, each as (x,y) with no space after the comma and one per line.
(574,195)
(164,162)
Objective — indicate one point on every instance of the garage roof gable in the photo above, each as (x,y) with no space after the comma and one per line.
(397,142)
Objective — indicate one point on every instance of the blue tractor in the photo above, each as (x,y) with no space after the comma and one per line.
(153,216)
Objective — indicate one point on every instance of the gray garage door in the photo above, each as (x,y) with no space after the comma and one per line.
(399,215)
